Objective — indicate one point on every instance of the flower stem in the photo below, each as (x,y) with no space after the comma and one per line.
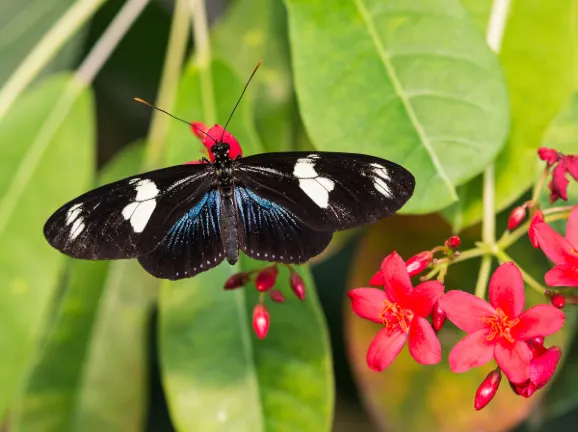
(532,283)
(174,59)
(45,50)
(203,60)
(538,187)
(109,40)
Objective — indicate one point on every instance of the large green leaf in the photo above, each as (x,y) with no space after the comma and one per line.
(46,158)
(52,399)
(535,31)
(217,375)
(413,82)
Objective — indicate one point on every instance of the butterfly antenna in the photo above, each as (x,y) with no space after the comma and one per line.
(142,101)
(239,100)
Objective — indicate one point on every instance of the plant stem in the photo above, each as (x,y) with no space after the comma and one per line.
(532,283)
(45,50)
(203,60)
(539,185)
(173,65)
(109,40)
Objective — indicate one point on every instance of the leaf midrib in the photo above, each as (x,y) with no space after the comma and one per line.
(365,15)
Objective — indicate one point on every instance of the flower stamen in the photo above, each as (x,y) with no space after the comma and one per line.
(393,316)
(500,326)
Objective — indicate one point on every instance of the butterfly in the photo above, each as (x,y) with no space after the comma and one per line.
(186,219)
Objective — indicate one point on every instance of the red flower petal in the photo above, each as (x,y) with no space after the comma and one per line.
(199,129)
(377,279)
(572,225)
(552,244)
(384,348)
(562,275)
(571,163)
(559,184)
(396,280)
(540,320)
(507,290)
(514,360)
(548,155)
(424,297)
(214,134)
(424,345)
(368,303)
(472,351)
(543,367)
(465,310)
(537,217)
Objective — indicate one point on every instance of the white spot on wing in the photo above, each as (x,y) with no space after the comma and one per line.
(315,191)
(328,184)
(73,213)
(304,168)
(142,214)
(73,216)
(382,187)
(77,227)
(145,190)
(316,187)
(141,209)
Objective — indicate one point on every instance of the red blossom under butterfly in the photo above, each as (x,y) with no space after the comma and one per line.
(498,329)
(563,251)
(542,367)
(564,164)
(214,134)
(403,311)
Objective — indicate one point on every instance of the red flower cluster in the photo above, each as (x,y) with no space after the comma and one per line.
(498,329)
(211,136)
(563,251)
(564,164)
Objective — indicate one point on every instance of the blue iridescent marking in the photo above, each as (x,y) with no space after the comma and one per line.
(265,211)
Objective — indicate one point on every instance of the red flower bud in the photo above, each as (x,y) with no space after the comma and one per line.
(516,217)
(297,285)
(266,278)
(277,296)
(558,301)
(418,263)
(438,317)
(537,217)
(260,321)
(548,155)
(237,281)
(377,279)
(487,389)
(453,242)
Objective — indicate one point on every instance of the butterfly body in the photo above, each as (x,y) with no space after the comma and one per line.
(185,219)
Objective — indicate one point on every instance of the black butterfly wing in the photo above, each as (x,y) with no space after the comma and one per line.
(270,232)
(192,244)
(130,217)
(327,191)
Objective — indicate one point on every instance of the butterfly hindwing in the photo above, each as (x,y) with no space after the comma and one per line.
(123,219)
(270,232)
(327,191)
(190,245)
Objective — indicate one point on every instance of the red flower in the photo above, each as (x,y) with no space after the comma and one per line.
(487,389)
(565,164)
(542,368)
(213,135)
(516,217)
(402,310)
(537,217)
(548,155)
(498,329)
(562,251)
(414,265)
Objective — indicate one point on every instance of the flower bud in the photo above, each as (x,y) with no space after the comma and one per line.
(418,263)
(297,285)
(260,320)
(266,278)
(548,155)
(377,279)
(558,301)
(537,217)
(487,389)
(277,296)
(453,242)
(438,317)
(516,217)
(236,281)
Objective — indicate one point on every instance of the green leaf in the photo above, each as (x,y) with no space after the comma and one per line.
(535,31)
(23,24)
(413,82)
(52,398)
(261,31)
(217,375)
(46,158)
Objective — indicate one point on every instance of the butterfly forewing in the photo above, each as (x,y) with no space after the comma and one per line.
(126,219)
(270,232)
(327,191)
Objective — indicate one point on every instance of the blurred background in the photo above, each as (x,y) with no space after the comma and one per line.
(43,391)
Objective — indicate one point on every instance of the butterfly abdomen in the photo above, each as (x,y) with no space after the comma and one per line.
(229,232)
